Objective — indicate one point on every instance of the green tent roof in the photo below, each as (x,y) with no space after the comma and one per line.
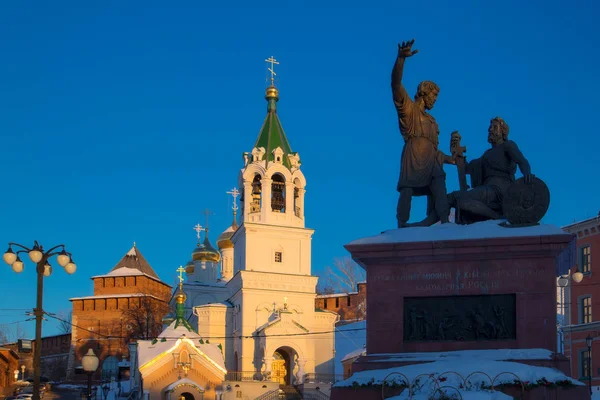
(271,134)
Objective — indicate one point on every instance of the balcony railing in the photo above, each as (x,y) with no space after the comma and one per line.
(245,376)
(322,378)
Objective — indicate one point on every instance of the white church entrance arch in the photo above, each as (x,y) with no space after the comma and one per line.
(285,364)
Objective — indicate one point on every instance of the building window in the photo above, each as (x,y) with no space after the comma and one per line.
(584,370)
(585,259)
(348,301)
(325,304)
(337,302)
(278,256)
(585,310)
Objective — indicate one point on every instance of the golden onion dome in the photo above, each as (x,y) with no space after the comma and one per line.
(189,267)
(224,240)
(180,296)
(205,252)
(272,93)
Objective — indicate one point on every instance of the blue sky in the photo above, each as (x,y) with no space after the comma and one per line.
(122,121)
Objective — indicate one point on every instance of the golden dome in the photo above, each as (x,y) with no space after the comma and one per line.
(272,93)
(205,252)
(224,240)
(180,296)
(189,267)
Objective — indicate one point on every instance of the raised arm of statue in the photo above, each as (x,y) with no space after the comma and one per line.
(515,154)
(402,100)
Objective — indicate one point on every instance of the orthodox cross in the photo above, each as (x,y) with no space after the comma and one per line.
(198,228)
(272,69)
(181,270)
(235,193)
(207,213)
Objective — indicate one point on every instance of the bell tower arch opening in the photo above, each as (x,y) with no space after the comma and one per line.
(256,200)
(278,193)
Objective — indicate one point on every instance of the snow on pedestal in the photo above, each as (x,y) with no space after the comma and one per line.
(480,230)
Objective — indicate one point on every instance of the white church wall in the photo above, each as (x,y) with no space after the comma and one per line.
(292,244)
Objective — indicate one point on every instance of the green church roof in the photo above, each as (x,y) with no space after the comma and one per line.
(271,134)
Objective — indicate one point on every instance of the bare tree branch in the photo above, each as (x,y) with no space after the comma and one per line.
(343,277)
(65,323)
(3,335)
(143,318)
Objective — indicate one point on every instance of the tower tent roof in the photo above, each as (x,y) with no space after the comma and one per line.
(134,259)
(272,134)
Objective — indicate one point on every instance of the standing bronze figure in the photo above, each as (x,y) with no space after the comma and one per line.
(491,177)
(421,171)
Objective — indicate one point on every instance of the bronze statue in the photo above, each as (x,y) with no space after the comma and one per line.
(491,177)
(421,171)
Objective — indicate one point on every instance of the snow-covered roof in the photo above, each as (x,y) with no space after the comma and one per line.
(479,230)
(148,350)
(114,296)
(175,331)
(354,354)
(134,259)
(330,295)
(349,338)
(223,305)
(125,271)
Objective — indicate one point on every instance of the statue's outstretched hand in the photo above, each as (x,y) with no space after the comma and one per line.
(405,49)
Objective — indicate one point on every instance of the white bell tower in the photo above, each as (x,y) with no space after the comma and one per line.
(272,236)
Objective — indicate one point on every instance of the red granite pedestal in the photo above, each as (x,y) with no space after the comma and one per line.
(404,276)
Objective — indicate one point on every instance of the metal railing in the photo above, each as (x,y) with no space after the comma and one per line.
(245,376)
(435,385)
(322,378)
(272,395)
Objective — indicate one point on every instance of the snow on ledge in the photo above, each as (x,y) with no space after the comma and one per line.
(461,355)
(451,231)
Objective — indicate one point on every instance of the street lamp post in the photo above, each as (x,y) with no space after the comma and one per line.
(90,362)
(588,340)
(43,268)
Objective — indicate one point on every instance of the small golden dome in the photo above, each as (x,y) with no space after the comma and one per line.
(205,252)
(272,93)
(189,267)
(180,296)
(224,240)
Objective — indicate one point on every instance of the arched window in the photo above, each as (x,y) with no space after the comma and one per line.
(278,193)
(256,194)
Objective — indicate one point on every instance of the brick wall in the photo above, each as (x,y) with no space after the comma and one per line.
(99,323)
(350,306)
(588,262)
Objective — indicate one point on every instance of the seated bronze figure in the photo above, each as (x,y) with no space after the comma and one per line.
(491,176)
